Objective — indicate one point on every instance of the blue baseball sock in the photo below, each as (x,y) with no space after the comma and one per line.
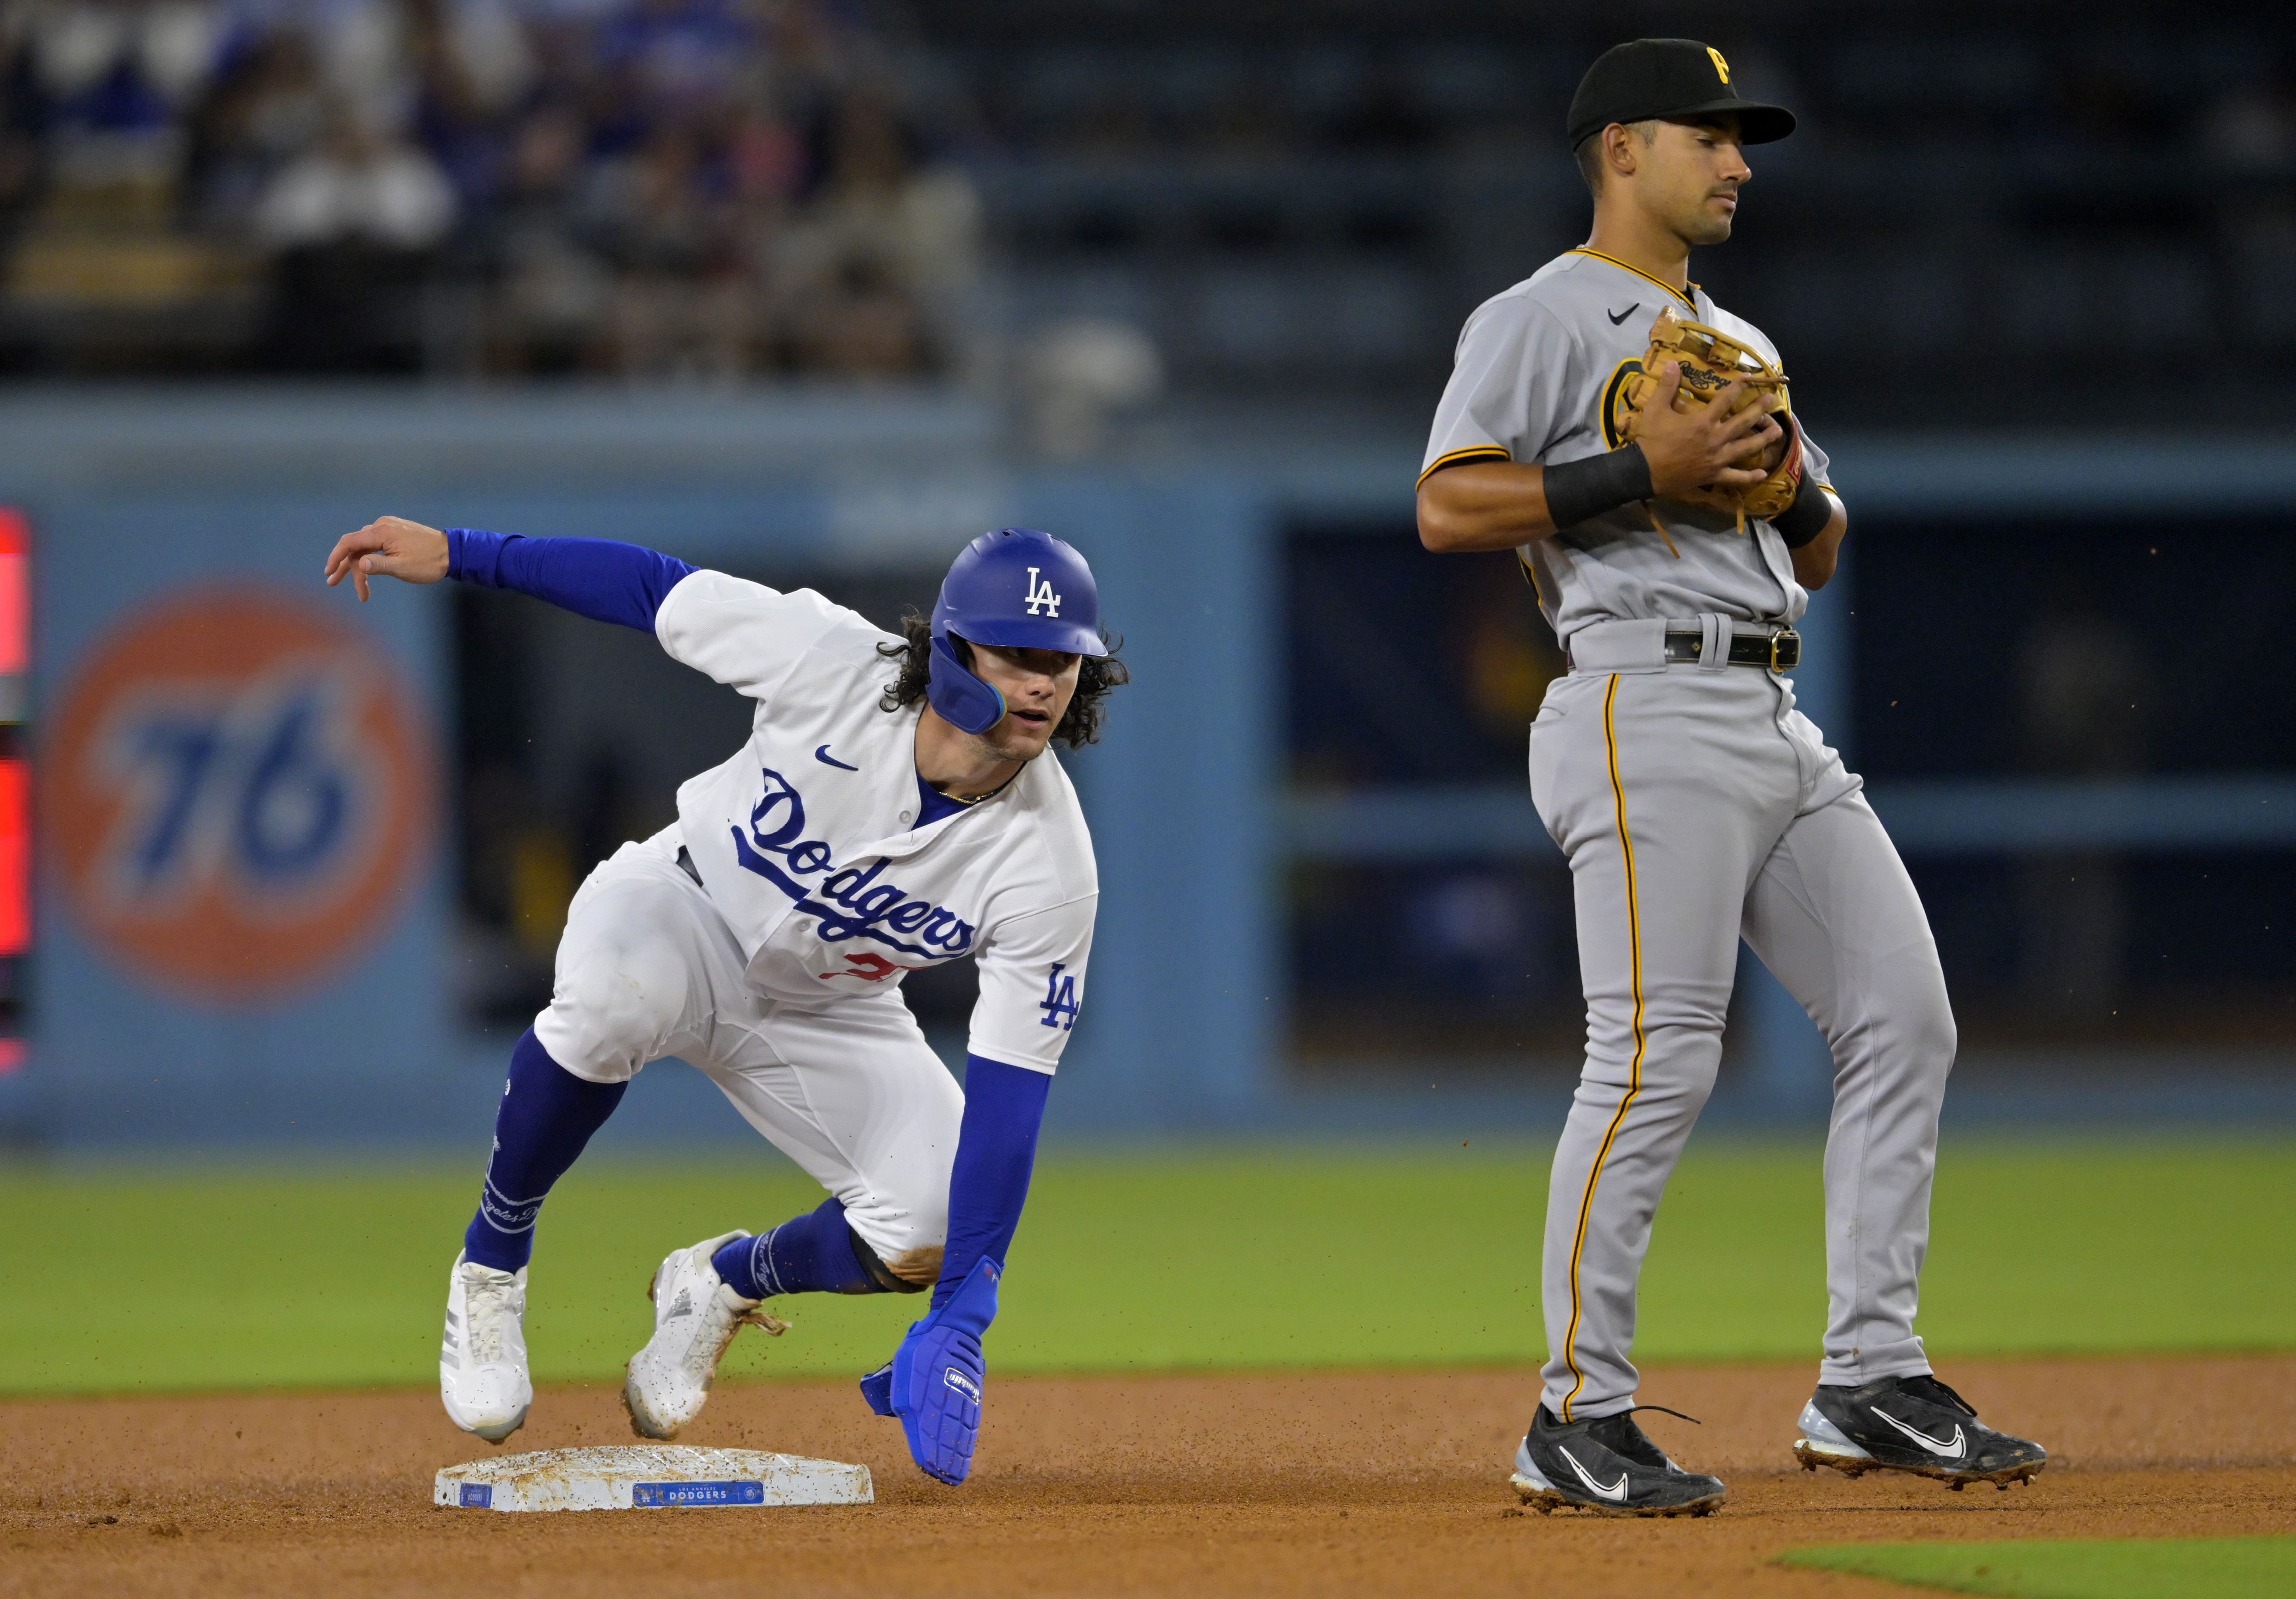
(547,1115)
(813,1254)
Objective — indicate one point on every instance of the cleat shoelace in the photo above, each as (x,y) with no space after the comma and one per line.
(721,1319)
(757,1318)
(703,1355)
(488,1304)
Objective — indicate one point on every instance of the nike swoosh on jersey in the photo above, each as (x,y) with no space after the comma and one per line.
(827,759)
(1622,315)
(1954,1450)
(1614,1492)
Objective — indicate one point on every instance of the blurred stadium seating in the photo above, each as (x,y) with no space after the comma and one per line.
(474,187)
(1278,198)
(1288,195)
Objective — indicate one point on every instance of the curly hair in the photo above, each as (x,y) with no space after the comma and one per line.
(1095,675)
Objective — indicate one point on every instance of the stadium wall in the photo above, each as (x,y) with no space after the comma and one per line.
(190,989)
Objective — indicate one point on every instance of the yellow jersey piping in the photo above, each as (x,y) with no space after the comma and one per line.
(1473,452)
(1638,272)
(1634,1067)
(1530,576)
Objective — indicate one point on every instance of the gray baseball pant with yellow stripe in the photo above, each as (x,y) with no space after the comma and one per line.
(1698,807)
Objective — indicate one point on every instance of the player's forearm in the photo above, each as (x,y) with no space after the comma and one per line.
(596,577)
(1814,563)
(1483,505)
(996,1153)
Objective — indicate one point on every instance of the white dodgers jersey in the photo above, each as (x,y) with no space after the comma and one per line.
(807,840)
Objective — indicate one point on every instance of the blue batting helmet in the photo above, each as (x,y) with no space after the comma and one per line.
(1017,588)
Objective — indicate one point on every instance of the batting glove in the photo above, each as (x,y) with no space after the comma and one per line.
(933,1381)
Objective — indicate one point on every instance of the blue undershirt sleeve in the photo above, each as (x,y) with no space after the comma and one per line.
(596,577)
(996,1151)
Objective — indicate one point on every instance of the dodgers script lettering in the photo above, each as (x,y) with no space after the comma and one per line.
(850,903)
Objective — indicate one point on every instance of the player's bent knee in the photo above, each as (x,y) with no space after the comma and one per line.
(904,1271)
(919,1268)
(1935,1038)
(1677,1060)
(899,1248)
(1923,1021)
(612,1012)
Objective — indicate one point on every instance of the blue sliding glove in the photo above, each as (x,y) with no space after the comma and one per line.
(933,1381)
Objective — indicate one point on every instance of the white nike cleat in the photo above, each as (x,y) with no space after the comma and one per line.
(482,1376)
(695,1317)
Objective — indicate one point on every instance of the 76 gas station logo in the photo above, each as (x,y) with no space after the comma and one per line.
(245,784)
(236,794)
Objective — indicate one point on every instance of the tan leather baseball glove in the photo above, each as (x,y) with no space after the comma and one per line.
(1710,360)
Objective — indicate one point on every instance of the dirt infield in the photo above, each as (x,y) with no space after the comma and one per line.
(1295,1483)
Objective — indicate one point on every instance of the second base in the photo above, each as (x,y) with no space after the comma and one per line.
(650,1477)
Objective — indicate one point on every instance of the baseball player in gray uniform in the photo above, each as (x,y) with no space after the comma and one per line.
(1696,805)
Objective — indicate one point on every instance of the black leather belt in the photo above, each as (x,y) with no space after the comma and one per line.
(1779,652)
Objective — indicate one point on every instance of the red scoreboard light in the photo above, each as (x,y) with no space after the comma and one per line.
(15,611)
(15,771)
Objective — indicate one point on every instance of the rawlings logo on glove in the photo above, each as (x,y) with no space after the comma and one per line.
(1710,360)
(933,1381)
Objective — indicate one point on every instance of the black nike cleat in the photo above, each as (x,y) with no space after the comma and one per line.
(1913,1424)
(1608,1466)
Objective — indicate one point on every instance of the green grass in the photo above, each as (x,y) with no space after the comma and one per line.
(132,1279)
(2184,1568)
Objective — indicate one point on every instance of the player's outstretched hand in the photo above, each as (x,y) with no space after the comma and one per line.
(934,1381)
(1697,447)
(391,546)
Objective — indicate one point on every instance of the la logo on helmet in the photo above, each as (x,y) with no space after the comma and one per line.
(1042,600)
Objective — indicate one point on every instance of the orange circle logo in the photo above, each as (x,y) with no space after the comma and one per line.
(236,792)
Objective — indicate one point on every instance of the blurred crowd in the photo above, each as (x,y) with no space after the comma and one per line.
(712,188)
(734,188)
(1318,206)
(1472,80)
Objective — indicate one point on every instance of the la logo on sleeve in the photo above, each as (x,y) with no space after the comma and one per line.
(1058,1003)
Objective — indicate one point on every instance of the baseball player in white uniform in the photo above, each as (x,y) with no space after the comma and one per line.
(894,808)
(1696,805)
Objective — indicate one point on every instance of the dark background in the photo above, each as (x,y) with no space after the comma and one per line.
(2012,213)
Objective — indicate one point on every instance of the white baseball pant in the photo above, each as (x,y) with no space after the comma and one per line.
(848,1088)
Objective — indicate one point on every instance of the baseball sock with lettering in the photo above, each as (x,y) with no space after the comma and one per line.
(547,1115)
(812,1254)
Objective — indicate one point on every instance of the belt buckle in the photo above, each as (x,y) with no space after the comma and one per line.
(1776,640)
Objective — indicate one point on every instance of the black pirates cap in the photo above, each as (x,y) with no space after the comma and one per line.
(1645,78)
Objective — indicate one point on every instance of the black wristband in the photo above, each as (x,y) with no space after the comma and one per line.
(1577,491)
(1802,521)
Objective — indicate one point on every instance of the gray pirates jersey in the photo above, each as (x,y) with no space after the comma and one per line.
(1532,381)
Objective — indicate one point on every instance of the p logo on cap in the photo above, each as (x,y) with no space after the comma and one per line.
(1647,79)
